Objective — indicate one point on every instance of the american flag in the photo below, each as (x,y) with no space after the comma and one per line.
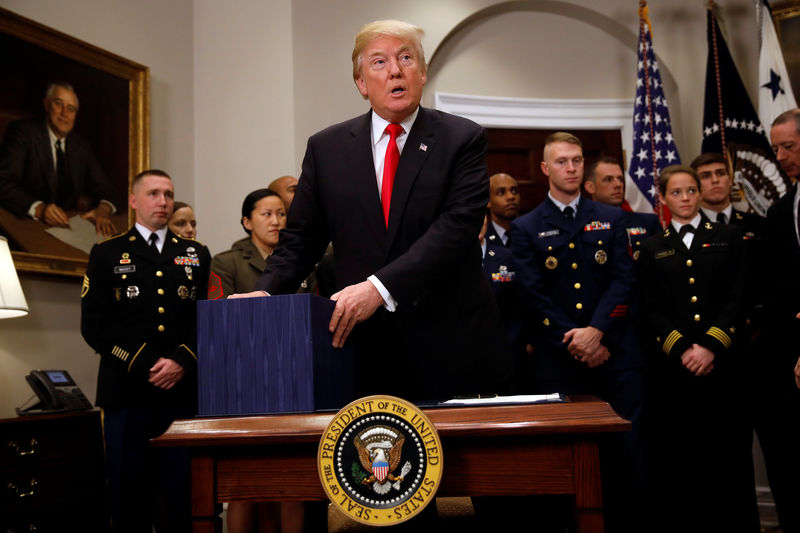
(653,144)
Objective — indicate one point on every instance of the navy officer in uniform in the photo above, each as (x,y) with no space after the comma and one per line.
(138,304)
(577,278)
(692,278)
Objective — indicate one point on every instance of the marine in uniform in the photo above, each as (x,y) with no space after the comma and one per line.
(699,459)
(577,278)
(138,306)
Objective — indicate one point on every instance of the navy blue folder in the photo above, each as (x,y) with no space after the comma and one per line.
(270,355)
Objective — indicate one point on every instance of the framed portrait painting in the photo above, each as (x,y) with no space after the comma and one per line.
(111,120)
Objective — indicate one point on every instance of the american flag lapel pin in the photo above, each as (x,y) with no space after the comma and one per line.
(423,147)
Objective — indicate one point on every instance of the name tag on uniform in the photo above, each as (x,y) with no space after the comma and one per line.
(596,225)
(550,233)
(187,261)
(664,253)
(127,269)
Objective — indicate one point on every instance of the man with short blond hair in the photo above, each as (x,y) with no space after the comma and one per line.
(401,192)
(577,281)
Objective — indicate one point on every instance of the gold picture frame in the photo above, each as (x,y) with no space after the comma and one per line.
(114,117)
(787,25)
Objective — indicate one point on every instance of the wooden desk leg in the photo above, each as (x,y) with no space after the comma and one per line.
(588,492)
(205,510)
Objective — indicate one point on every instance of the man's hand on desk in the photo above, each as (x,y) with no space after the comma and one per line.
(52,214)
(354,304)
(101,216)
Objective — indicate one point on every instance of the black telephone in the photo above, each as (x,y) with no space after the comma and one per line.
(57,392)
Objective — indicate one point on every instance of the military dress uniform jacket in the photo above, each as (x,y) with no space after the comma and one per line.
(236,270)
(576,273)
(695,295)
(137,306)
(640,227)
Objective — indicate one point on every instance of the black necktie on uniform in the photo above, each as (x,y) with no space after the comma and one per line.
(721,218)
(154,242)
(569,213)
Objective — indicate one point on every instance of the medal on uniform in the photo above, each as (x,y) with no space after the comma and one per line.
(636,255)
(117,293)
(126,258)
(551,262)
(188,270)
(193,294)
(132,292)
(601,257)
(183,292)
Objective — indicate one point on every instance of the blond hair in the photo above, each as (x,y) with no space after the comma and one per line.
(392,28)
(560,137)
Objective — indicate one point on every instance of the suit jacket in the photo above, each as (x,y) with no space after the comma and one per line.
(783,286)
(695,295)
(27,170)
(575,274)
(137,306)
(445,336)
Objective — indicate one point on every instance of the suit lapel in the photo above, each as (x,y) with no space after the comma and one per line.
(554,217)
(361,167)
(421,141)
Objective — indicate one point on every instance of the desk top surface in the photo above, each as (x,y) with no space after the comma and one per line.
(581,414)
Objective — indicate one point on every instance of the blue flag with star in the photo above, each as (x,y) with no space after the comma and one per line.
(731,127)
(774,89)
(653,144)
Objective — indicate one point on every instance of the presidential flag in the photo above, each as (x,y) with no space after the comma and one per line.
(732,127)
(653,144)
(774,89)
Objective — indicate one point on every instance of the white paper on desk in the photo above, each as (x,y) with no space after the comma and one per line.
(519,398)
(80,234)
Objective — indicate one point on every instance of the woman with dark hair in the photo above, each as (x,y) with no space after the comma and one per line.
(238,269)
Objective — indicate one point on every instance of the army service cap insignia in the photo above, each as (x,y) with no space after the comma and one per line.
(380,460)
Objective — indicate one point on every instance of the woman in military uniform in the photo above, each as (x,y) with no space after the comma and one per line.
(692,279)
(238,269)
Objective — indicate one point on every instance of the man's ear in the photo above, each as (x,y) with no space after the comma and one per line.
(589,187)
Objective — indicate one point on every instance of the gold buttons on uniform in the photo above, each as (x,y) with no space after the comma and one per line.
(577,285)
(694,299)
(571,245)
(124,276)
(161,327)
(600,243)
(697,318)
(691,281)
(688,262)
(549,248)
(160,310)
(159,273)
(578,305)
(161,291)
(574,266)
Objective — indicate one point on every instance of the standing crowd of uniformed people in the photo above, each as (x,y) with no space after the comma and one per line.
(685,331)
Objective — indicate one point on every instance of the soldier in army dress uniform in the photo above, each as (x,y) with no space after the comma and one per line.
(138,304)
(692,278)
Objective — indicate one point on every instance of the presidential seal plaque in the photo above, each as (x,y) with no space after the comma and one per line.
(380,460)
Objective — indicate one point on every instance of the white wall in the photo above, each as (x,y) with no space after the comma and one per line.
(237,87)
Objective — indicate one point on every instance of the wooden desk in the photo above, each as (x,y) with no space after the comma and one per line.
(506,450)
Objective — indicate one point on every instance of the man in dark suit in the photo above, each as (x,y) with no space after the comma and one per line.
(138,312)
(47,168)
(407,263)
(780,441)
(605,183)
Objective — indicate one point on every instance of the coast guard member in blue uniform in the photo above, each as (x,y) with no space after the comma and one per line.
(577,278)
(605,182)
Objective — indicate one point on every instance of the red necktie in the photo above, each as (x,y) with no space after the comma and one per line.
(389,168)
